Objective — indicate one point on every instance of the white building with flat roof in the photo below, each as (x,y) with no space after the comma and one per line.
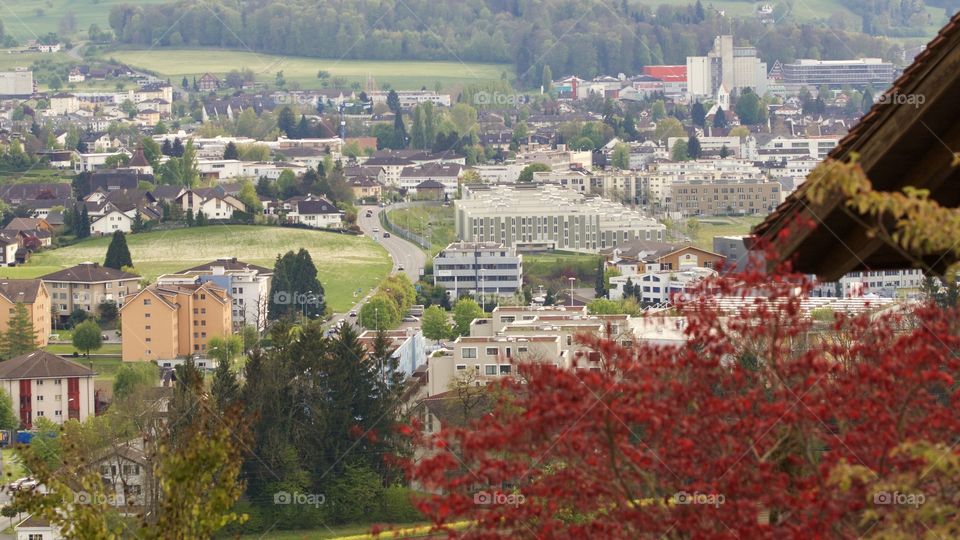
(535,217)
(481,269)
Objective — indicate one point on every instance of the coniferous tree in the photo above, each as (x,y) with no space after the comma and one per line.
(20,337)
(295,287)
(231,152)
(600,286)
(118,255)
(83,224)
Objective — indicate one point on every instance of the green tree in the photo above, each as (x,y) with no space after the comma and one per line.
(720,119)
(248,196)
(526,175)
(295,287)
(20,337)
(225,387)
(8,419)
(750,108)
(668,127)
(600,287)
(679,151)
(380,313)
(620,157)
(464,312)
(693,148)
(546,79)
(133,377)
(698,114)
(118,255)
(231,152)
(658,111)
(87,336)
(435,323)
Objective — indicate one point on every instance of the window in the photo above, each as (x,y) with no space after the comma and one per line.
(147,328)
(469,352)
(504,369)
(58,413)
(146,301)
(57,381)
(39,413)
(490,369)
(461,367)
(58,397)
(148,340)
(492,351)
(104,470)
(40,397)
(39,382)
(146,315)
(131,469)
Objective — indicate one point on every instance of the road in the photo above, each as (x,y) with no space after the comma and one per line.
(403,254)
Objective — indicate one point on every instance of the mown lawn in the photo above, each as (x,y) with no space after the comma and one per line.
(343,262)
(404,75)
(433,221)
(723,226)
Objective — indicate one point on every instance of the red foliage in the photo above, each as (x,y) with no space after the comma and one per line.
(749,418)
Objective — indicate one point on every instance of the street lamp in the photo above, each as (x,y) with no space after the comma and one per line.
(572,280)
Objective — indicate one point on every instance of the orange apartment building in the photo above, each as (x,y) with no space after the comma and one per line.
(166,322)
(33,295)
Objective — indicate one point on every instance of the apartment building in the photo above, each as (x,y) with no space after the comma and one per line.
(43,385)
(33,295)
(86,286)
(249,287)
(641,256)
(531,217)
(697,198)
(167,322)
(726,66)
(786,147)
(484,359)
(478,269)
(883,283)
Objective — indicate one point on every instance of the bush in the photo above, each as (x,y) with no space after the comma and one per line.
(398,506)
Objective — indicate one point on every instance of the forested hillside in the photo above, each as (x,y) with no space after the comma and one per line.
(583,37)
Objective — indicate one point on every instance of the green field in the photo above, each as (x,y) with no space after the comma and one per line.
(723,226)
(27,20)
(343,262)
(552,270)
(433,221)
(407,75)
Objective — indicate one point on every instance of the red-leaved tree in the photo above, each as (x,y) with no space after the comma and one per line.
(766,423)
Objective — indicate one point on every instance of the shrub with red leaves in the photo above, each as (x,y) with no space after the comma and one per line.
(749,430)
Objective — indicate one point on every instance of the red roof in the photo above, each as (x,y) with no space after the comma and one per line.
(667,73)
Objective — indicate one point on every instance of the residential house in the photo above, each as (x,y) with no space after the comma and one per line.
(365,188)
(429,190)
(14,194)
(392,168)
(9,244)
(76,76)
(86,286)
(314,211)
(114,179)
(166,322)
(34,233)
(639,256)
(127,474)
(32,294)
(95,142)
(447,174)
(110,222)
(63,103)
(44,385)
(211,201)
(208,83)
(35,528)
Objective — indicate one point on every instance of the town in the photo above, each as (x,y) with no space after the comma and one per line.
(714,293)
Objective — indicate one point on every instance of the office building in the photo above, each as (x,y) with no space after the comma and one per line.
(726,66)
(698,198)
(480,269)
(16,83)
(837,73)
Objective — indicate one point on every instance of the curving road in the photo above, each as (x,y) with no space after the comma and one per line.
(404,254)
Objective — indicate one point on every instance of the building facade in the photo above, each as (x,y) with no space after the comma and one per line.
(43,385)
(34,297)
(86,286)
(479,269)
(837,73)
(249,287)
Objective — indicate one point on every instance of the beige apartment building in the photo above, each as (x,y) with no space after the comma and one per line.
(166,322)
(32,294)
(696,198)
(86,286)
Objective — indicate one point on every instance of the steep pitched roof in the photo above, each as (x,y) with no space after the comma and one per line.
(42,365)
(317,206)
(88,273)
(897,144)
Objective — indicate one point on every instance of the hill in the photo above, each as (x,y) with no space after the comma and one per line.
(585,37)
(343,262)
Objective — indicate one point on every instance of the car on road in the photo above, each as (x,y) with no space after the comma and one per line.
(410,319)
(353,314)
(376,229)
(400,268)
(27,482)
(386,235)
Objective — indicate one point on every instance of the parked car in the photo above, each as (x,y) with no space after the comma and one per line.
(400,268)
(410,319)
(386,235)
(27,482)
(353,314)
(376,229)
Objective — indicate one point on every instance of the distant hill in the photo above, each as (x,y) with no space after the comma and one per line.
(584,37)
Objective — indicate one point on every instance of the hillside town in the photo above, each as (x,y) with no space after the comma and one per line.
(301,282)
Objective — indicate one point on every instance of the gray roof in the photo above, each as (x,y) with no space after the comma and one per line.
(42,365)
(88,273)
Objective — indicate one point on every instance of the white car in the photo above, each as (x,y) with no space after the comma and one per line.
(23,483)
(376,229)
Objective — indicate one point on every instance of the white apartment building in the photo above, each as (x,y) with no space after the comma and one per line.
(248,284)
(812,147)
(43,385)
(479,269)
(726,66)
(16,83)
(548,217)
(221,169)
(882,283)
